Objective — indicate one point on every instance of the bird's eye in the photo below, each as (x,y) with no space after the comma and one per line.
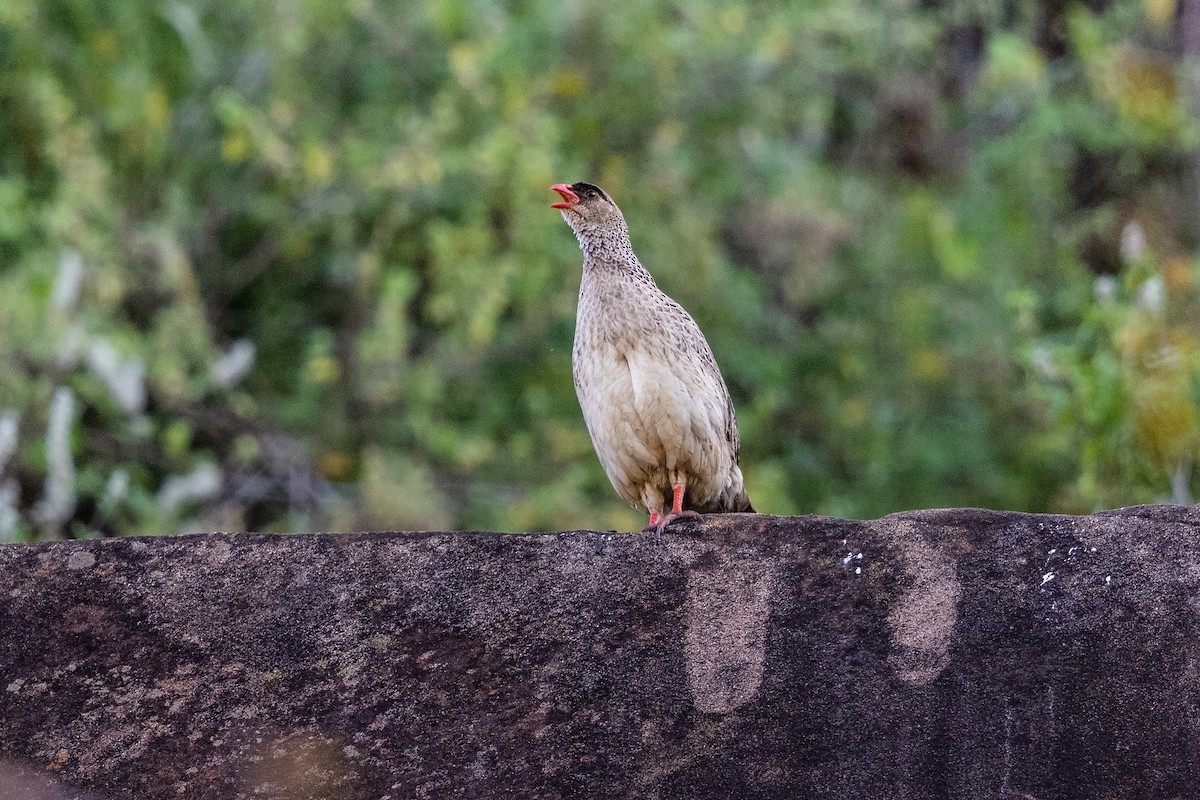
(589,194)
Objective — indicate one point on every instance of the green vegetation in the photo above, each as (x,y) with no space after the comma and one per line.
(291,265)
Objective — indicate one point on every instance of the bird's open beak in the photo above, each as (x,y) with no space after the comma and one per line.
(569,198)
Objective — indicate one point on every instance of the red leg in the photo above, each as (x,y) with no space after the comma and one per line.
(677,499)
(676,510)
(654,517)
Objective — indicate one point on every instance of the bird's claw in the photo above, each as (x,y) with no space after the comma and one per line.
(667,519)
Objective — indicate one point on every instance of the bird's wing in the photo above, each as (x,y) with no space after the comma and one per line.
(680,400)
(691,342)
(607,396)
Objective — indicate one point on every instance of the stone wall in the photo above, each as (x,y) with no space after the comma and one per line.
(938,654)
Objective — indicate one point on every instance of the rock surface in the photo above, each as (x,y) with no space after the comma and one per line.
(937,654)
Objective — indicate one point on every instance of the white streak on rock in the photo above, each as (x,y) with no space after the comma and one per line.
(726,630)
(923,618)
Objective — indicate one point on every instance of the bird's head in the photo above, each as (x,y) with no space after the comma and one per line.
(588,210)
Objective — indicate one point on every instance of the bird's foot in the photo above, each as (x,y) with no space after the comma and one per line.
(659,525)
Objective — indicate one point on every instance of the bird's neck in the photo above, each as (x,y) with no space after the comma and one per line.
(611,253)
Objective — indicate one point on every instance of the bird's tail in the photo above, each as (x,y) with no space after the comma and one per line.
(733,500)
(728,503)
(741,503)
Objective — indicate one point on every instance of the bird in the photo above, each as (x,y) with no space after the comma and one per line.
(655,404)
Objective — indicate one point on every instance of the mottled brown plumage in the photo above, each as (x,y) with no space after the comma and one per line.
(655,404)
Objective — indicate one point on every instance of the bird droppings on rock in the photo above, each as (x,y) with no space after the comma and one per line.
(855,559)
(735,658)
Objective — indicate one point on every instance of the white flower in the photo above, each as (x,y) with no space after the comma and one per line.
(1043,362)
(200,484)
(1152,295)
(1133,242)
(9,423)
(58,497)
(116,487)
(8,510)
(124,379)
(230,368)
(68,281)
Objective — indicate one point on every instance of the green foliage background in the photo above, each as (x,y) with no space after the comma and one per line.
(945,252)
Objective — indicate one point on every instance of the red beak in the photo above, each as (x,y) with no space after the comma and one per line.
(568,195)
